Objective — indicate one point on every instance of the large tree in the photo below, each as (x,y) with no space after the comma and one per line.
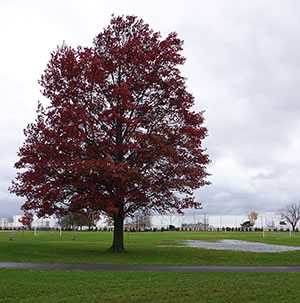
(119,134)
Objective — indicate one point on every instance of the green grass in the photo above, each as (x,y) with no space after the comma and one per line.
(81,286)
(143,248)
(17,285)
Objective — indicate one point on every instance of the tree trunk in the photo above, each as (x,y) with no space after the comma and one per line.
(118,242)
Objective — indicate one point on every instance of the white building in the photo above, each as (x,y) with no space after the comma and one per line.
(14,222)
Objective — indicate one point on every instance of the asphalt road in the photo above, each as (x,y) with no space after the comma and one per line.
(116,267)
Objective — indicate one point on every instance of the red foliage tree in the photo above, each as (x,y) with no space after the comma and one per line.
(27,219)
(119,134)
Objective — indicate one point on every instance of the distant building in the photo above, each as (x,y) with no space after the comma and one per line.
(3,222)
(39,223)
(195,222)
(199,226)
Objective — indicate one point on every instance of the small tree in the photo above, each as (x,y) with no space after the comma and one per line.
(253,217)
(142,219)
(73,220)
(291,214)
(69,221)
(27,219)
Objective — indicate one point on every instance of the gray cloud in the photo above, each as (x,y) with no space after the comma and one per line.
(243,61)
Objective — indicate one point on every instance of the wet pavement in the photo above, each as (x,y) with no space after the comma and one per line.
(156,268)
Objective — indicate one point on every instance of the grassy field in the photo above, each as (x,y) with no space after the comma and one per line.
(81,286)
(143,248)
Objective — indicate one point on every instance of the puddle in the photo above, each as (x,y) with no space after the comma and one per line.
(236,245)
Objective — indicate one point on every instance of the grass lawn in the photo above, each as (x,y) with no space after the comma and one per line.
(83,286)
(17,285)
(143,248)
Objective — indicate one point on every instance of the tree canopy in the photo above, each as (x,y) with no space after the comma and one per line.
(119,134)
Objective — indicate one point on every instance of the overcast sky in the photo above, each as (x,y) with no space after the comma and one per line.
(243,67)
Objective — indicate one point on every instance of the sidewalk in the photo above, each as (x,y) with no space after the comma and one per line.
(116,267)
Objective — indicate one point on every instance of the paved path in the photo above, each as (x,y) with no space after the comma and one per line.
(116,267)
